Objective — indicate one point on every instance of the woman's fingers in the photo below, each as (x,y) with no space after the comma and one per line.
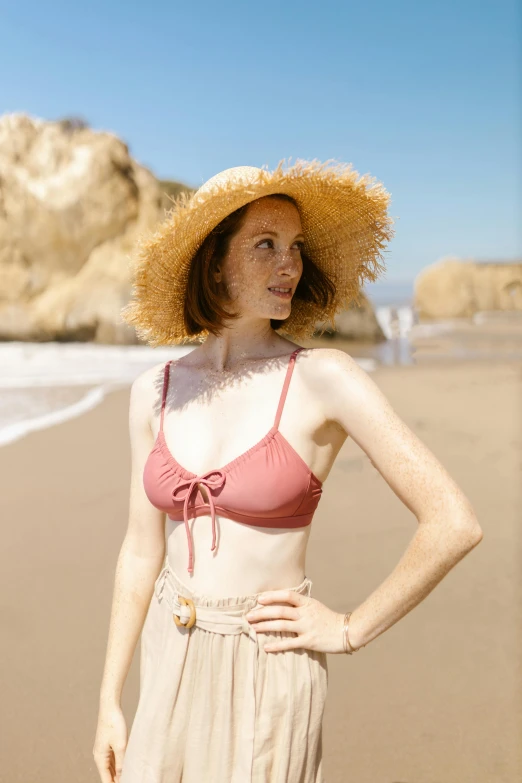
(287,643)
(275,625)
(119,754)
(314,626)
(274,617)
(273,612)
(105,765)
(288,596)
(110,743)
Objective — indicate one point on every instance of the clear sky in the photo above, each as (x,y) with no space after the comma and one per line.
(425,96)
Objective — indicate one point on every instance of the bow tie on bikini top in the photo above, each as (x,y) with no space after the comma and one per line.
(212,480)
(269,485)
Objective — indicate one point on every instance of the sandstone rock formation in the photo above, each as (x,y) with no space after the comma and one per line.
(356,323)
(453,288)
(72,204)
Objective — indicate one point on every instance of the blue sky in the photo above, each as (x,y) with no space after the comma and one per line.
(424,96)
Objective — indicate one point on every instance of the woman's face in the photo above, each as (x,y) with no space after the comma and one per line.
(265,255)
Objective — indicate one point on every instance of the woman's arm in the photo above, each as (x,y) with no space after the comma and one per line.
(448,528)
(139,563)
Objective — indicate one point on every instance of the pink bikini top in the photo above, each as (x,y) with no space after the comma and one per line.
(268,485)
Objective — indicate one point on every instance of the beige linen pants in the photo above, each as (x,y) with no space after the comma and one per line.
(214,707)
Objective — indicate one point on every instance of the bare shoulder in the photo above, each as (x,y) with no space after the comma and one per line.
(329,360)
(144,394)
(354,400)
(146,527)
(338,374)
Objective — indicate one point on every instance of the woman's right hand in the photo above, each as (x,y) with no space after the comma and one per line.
(110,743)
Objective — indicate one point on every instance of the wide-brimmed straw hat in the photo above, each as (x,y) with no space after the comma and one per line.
(345,226)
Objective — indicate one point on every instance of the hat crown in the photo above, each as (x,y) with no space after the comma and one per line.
(345,225)
(237,175)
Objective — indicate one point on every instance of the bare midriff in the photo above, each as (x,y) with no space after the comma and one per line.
(247,559)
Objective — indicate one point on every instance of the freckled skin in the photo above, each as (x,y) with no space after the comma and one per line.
(226,392)
(257,260)
(228,388)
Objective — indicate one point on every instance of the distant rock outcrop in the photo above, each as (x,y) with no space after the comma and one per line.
(72,205)
(357,323)
(453,288)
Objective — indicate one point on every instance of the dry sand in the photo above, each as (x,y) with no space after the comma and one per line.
(436,699)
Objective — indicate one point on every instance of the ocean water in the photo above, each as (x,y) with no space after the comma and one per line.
(42,384)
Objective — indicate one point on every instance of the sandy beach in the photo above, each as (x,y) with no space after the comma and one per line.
(436,699)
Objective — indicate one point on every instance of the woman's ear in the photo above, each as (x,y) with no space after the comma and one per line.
(218,275)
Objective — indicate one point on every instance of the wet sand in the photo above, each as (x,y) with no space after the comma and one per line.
(436,699)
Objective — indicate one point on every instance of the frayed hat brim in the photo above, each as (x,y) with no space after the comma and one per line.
(345,223)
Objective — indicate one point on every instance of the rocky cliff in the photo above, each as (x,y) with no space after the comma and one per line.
(453,288)
(72,204)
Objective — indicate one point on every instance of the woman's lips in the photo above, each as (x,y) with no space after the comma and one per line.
(282,294)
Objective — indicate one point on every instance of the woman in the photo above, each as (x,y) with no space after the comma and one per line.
(238,436)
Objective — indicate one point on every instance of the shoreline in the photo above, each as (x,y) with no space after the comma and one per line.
(44,384)
(47,387)
(13,432)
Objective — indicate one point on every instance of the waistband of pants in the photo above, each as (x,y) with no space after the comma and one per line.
(218,619)
(223,619)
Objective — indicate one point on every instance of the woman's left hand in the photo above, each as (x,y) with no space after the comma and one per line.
(316,626)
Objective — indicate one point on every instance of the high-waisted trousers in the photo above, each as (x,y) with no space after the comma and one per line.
(214,707)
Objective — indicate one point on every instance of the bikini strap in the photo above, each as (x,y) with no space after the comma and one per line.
(285,386)
(165,387)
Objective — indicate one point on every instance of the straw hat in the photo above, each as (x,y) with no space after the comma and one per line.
(345,226)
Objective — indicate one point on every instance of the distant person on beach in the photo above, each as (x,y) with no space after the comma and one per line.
(231,445)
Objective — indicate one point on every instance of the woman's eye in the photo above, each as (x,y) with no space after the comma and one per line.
(270,243)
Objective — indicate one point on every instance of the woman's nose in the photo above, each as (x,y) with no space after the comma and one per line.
(289,260)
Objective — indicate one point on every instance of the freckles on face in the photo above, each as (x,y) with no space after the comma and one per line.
(265,253)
